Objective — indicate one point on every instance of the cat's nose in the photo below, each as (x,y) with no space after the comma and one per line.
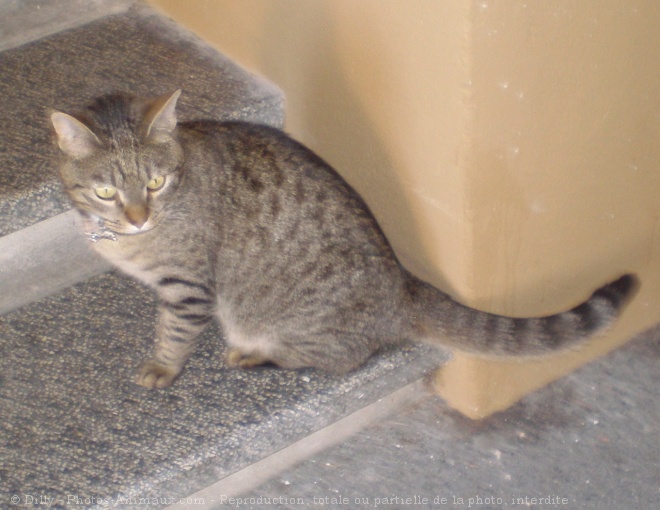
(137,215)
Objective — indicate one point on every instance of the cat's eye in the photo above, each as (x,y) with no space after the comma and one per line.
(156,183)
(105,192)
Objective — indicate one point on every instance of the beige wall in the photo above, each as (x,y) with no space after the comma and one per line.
(509,148)
(366,96)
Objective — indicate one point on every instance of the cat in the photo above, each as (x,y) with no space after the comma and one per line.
(239,222)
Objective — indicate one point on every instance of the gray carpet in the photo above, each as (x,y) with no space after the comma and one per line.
(74,423)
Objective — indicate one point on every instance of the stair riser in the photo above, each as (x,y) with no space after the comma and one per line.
(44,258)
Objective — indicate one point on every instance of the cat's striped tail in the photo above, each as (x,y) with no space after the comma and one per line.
(440,320)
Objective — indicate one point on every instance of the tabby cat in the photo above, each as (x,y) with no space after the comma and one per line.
(238,222)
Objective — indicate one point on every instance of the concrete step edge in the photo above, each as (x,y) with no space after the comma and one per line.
(228,490)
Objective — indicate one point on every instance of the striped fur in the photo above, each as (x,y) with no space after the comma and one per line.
(240,223)
(445,321)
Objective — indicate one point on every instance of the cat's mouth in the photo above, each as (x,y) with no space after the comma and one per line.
(98,229)
(129,229)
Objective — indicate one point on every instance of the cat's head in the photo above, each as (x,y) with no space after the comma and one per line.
(123,162)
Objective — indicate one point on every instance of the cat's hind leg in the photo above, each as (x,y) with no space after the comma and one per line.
(238,359)
(334,353)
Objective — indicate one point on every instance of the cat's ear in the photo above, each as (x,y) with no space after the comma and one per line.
(161,117)
(74,138)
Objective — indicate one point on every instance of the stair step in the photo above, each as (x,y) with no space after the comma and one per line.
(74,424)
(138,51)
(28,20)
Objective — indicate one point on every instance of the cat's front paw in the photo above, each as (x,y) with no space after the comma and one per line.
(154,375)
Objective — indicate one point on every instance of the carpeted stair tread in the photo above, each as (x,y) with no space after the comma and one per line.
(75,424)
